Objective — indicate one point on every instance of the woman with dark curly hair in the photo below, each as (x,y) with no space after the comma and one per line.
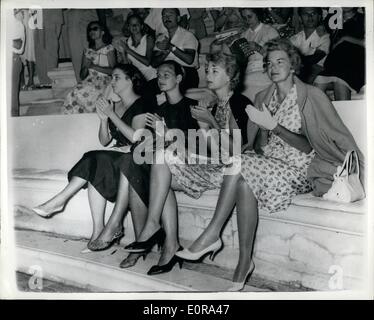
(185,171)
(296,141)
(99,170)
(97,65)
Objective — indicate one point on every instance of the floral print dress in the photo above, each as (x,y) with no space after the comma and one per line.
(84,95)
(280,173)
(194,179)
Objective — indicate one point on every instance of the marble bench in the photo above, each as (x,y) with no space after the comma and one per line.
(309,245)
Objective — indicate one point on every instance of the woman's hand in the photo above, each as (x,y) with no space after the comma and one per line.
(101,114)
(151,120)
(202,114)
(262,118)
(105,107)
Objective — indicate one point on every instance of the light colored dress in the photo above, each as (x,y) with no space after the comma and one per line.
(194,179)
(281,172)
(84,95)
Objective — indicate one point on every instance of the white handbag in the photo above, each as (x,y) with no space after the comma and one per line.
(346,186)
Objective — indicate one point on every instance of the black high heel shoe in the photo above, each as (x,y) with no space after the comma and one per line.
(156,269)
(131,261)
(157,238)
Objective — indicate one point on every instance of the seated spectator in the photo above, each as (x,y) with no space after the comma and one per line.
(154,20)
(138,48)
(196,22)
(257,34)
(345,65)
(284,19)
(18,45)
(313,43)
(228,18)
(97,64)
(179,45)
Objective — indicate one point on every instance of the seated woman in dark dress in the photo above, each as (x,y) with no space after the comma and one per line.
(99,170)
(174,111)
(344,68)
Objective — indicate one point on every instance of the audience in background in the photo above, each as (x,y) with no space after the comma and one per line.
(196,22)
(77,21)
(47,44)
(159,34)
(228,18)
(138,48)
(97,64)
(179,45)
(345,65)
(28,56)
(313,43)
(257,34)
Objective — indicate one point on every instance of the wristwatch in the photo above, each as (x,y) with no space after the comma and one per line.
(173,48)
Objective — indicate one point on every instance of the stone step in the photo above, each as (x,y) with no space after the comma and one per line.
(59,258)
(46,107)
(26,97)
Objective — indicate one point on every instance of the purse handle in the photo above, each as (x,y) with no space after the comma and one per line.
(350,157)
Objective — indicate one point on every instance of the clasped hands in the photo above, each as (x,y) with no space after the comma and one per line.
(262,118)
(164,44)
(202,114)
(151,120)
(104,108)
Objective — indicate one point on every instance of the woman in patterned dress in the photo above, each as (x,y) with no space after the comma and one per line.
(271,175)
(97,65)
(193,179)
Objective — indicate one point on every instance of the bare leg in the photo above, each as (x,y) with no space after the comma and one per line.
(97,206)
(341,92)
(139,215)
(139,212)
(225,204)
(60,199)
(159,189)
(247,217)
(115,221)
(170,224)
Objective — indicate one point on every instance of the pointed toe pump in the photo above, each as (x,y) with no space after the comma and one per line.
(140,246)
(239,286)
(156,269)
(194,256)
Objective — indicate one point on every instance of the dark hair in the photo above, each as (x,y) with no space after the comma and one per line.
(286,46)
(230,64)
(107,37)
(319,10)
(259,12)
(176,66)
(136,77)
(176,10)
(136,16)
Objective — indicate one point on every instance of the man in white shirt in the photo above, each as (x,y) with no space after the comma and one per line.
(180,45)
(154,20)
(313,43)
(17,37)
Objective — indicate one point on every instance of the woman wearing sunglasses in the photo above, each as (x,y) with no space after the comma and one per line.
(97,65)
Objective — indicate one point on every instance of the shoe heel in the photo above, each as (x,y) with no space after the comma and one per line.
(213,255)
(180,262)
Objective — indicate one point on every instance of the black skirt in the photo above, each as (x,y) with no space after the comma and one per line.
(138,176)
(101,169)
